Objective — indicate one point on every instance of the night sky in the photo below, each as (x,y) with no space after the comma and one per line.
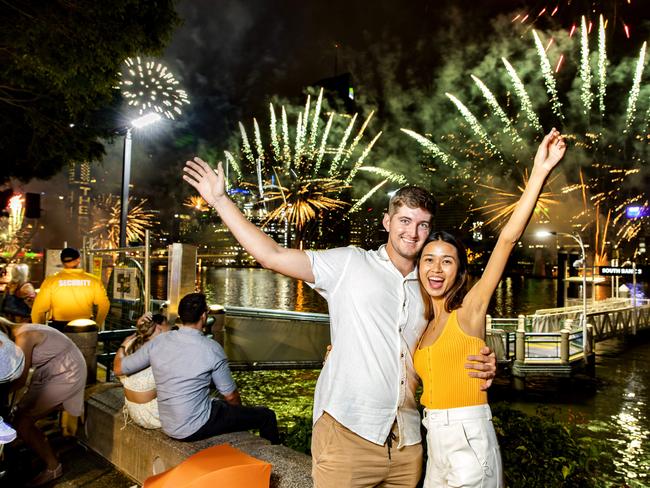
(233,56)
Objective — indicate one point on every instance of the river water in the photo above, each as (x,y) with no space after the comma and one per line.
(615,405)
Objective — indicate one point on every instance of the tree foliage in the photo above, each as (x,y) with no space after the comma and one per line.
(59,63)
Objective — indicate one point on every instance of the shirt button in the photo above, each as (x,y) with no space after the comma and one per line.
(402,382)
(401,355)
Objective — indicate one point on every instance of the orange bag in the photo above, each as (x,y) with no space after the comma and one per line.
(221,465)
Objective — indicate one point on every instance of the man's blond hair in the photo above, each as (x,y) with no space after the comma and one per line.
(412,197)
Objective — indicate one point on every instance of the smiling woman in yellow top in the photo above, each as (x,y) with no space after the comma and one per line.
(461,442)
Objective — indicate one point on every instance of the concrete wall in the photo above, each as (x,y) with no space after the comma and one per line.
(141,453)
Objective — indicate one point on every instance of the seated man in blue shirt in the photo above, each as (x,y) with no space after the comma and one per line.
(184,362)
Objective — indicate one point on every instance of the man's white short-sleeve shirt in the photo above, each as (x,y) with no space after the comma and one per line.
(376,320)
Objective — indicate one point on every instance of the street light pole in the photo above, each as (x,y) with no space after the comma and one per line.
(138,123)
(578,239)
(126,178)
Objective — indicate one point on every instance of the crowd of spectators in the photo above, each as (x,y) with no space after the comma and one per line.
(168,373)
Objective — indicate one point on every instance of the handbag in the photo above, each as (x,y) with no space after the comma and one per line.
(13,305)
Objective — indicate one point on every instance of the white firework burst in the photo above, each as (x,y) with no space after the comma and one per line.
(149,86)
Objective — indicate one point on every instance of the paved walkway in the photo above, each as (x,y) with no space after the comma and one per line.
(81,467)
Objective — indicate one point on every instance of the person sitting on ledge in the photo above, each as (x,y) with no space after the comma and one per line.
(184,362)
(22,294)
(140,403)
(58,382)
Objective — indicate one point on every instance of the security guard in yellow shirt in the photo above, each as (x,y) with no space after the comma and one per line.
(70,294)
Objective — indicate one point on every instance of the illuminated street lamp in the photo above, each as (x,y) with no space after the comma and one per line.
(138,123)
(578,239)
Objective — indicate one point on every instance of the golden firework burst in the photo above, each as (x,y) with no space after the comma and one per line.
(301,174)
(501,203)
(197,203)
(106,227)
(303,202)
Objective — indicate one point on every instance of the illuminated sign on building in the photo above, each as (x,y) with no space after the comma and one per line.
(614,271)
(637,211)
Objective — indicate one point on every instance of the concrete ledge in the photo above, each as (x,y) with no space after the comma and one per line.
(141,453)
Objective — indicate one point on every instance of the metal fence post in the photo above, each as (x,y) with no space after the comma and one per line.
(488,323)
(147,272)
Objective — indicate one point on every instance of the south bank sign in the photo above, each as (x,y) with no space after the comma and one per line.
(614,271)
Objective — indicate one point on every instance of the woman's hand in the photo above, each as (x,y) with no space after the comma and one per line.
(121,351)
(210,183)
(550,151)
(147,318)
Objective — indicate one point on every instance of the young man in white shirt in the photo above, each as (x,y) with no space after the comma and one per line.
(366,423)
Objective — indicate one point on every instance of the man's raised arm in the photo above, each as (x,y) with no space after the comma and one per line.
(211,185)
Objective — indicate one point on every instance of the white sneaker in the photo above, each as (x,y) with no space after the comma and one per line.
(7,433)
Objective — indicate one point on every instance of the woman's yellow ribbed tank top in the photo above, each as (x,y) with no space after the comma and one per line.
(441,366)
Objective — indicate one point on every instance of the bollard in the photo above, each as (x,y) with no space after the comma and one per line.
(520,343)
(568,324)
(590,357)
(589,346)
(218,313)
(521,323)
(83,332)
(564,346)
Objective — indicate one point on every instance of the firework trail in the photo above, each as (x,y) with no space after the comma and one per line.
(520,90)
(496,108)
(16,213)
(549,80)
(585,70)
(148,86)
(634,93)
(476,126)
(302,181)
(14,236)
(620,12)
(609,149)
(602,66)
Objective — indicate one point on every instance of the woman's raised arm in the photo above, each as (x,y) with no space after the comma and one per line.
(549,153)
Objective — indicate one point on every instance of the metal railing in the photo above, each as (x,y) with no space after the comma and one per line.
(131,267)
(255,339)
(277,339)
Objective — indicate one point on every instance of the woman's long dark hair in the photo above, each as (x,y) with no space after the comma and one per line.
(456,293)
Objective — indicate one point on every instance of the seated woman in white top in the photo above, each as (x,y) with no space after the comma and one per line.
(140,401)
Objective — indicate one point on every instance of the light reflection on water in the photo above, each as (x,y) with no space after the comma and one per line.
(615,408)
(260,288)
(623,404)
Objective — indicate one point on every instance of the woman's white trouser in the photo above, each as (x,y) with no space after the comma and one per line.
(462,448)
